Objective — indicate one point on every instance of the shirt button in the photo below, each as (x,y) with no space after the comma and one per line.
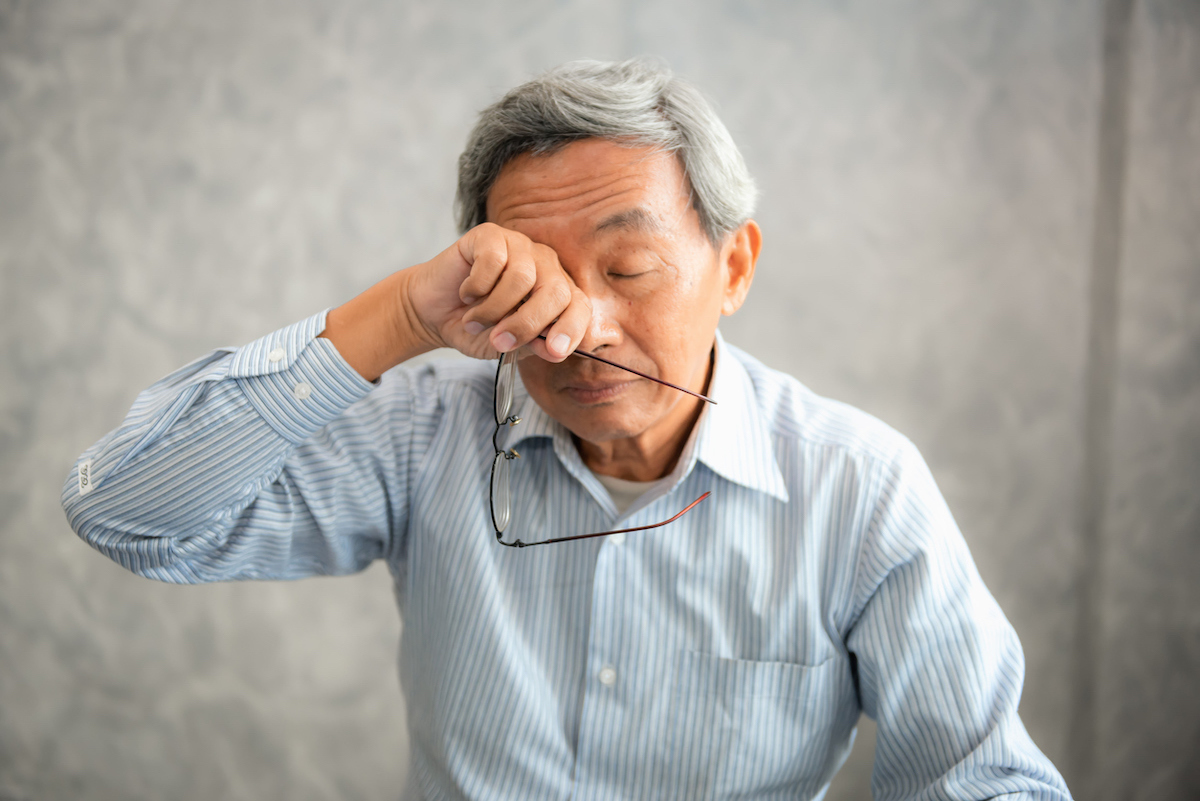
(301,391)
(607,676)
(276,355)
(617,539)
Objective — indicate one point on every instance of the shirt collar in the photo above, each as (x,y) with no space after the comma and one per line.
(735,439)
(732,437)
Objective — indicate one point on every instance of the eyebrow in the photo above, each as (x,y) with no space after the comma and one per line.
(636,219)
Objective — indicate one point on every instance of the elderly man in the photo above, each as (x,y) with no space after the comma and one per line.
(718,570)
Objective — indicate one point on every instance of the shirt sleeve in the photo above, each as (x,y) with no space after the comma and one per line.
(276,460)
(940,668)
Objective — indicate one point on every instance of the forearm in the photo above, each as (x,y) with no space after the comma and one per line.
(197,484)
(202,454)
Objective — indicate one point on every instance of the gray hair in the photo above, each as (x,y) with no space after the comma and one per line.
(636,102)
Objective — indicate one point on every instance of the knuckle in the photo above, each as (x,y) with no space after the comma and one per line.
(524,279)
(489,255)
(559,294)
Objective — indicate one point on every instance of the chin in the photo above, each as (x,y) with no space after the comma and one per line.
(599,424)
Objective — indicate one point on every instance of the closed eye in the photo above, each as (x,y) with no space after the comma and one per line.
(643,262)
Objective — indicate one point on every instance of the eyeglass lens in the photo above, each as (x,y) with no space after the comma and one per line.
(501,493)
(506,373)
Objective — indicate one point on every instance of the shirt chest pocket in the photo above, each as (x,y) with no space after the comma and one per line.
(745,729)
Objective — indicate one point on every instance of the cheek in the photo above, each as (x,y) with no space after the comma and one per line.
(686,306)
(698,289)
(534,374)
(665,332)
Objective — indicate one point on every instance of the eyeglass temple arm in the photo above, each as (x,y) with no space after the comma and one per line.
(682,512)
(643,375)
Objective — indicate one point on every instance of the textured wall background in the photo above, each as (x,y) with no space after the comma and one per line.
(982,225)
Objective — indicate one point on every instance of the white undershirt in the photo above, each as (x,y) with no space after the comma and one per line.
(624,492)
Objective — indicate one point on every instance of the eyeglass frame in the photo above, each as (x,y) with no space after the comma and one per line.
(511,453)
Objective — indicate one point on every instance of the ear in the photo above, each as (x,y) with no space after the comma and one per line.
(739,255)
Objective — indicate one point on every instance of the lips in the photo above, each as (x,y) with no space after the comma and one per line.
(591,392)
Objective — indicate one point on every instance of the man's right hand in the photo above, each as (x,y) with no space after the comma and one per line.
(492,291)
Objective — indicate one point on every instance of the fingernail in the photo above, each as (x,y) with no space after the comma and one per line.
(473,328)
(469,299)
(504,343)
(560,344)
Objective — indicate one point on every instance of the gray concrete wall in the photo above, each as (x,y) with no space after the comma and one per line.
(981,225)
(1148,644)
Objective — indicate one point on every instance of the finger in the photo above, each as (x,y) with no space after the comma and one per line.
(516,282)
(564,334)
(487,249)
(548,303)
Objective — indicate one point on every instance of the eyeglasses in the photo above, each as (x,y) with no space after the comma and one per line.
(500,492)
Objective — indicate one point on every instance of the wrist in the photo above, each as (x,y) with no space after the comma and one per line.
(409,327)
(379,328)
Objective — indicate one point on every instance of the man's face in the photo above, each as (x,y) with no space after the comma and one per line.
(620,220)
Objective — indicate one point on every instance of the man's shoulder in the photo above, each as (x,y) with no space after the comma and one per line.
(797,415)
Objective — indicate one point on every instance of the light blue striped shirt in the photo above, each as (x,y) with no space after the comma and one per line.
(727,655)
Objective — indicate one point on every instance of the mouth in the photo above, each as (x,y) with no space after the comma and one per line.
(588,393)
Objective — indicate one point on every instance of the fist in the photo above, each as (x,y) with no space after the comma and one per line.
(495,290)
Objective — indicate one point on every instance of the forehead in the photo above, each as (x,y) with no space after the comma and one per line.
(594,184)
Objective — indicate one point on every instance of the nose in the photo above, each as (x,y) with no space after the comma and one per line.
(604,330)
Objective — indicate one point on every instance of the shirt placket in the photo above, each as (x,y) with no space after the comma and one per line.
(609,685)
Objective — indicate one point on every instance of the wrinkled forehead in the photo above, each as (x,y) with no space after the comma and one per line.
(604,185)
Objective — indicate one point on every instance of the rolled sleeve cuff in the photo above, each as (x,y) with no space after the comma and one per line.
(297,381)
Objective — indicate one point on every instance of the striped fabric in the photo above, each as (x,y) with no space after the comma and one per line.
(726,655)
